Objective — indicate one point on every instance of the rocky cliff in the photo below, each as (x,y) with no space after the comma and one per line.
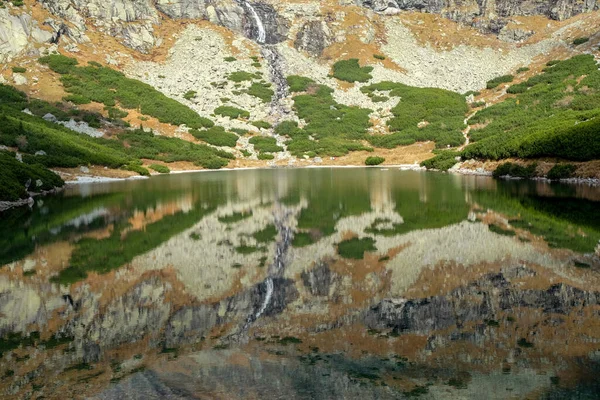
(134,22)
(469,10)
(18,34)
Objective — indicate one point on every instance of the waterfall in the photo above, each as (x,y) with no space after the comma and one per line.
(275,270)
(269,283)
(262,34)
(278,264)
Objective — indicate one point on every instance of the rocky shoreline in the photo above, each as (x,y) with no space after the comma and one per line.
(7,205)
(571,181)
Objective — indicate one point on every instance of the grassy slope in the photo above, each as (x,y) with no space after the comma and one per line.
(553,114)
(105,85)
(58,146)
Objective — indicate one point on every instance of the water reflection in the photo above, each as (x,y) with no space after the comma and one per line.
(347,283)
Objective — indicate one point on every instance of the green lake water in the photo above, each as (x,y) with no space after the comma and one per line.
(303,284)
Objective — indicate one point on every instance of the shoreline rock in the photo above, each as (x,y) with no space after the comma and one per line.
(7,205)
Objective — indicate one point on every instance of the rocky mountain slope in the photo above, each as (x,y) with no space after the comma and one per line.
(253,80)
(133,21)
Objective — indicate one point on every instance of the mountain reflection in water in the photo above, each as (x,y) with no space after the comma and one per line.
(303,284)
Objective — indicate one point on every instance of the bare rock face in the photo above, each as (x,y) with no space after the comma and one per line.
(129,21)
(313,38)
(319,280)
(132,21)
(494,293)
(226,13)
(19,33)
(467,11)
(514,34)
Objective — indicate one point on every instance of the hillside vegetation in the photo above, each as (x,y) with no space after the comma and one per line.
(331,129)
(422,114)
(109,87)
(45,144)
(553,114)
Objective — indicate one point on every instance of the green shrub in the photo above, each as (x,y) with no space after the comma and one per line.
(261,90)
(379,99)
(515,170)
(561,171)
(265,235)
(266,156)
(379,56)
(262,124)
(77,99)
(477,104)
(239,131)
(11,96)
(190,94)
(580,40)
(355,248)
(19,70)
(161,169)
(244,249)
(265,144)
(299,83)
(374,160)
(328,146)
(245,153)
(350,71)
(491,84)
(135,167)
(229,59)
(288,128)
(66,148)
(522,69)
(552,63)
(217,136)
(91,118)
(114,113)
(302,239)
(326,118)
(59,63)
(41,108)
(443,161)
(518,88)
(231,112)
(63,147)
(241,76)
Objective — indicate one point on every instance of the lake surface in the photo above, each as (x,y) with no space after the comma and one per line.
(303,284)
